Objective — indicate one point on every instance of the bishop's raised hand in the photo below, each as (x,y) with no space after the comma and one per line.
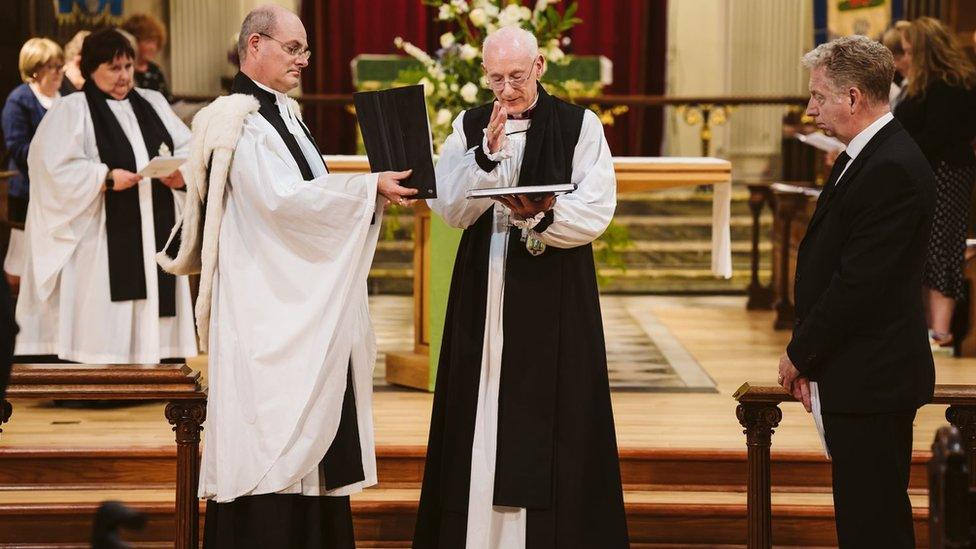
(496,128)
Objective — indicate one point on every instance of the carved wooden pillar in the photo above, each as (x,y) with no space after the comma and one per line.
(964,419)
(759,420)
(187,417)
(760,296)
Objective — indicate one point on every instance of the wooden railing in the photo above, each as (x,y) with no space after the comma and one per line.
(759,414)
(175,383)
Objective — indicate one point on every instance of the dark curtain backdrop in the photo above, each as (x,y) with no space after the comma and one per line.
(629,32)
(632,34)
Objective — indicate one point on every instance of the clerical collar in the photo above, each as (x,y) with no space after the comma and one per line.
(282,101)
(527,113)
(280,98)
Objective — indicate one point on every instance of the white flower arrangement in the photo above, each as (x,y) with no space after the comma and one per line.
(452,76)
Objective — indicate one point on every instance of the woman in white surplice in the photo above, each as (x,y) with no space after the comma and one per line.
(91,290)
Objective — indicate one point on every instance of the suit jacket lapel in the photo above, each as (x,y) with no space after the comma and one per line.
(832,195)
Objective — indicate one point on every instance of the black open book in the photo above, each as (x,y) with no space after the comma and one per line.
(396,132)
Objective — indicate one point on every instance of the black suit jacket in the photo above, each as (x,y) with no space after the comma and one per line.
(860,325)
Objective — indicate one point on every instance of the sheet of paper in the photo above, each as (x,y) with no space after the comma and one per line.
(162,166)
(817,414)
(822,141)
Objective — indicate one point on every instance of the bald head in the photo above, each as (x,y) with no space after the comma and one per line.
(273,47)
(260,20)
(513,66)
(510,42)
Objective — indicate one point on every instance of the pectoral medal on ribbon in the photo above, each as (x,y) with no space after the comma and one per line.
(533,245)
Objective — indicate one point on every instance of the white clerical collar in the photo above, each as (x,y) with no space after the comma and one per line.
(45,101)
(280,98)
(860,140)
(528,109)
(284,108)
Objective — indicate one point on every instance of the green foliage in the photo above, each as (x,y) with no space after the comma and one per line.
(608,253)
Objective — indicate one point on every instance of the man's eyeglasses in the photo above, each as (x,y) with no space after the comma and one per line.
(518,82)
(294,50)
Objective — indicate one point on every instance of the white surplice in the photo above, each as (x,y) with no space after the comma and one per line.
(579,218)
(289,313)
(65,305)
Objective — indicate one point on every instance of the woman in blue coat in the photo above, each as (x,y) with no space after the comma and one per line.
(42,70)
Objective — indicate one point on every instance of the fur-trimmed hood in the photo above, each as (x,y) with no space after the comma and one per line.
(192,245)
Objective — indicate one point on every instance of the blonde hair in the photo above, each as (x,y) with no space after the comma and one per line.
(936,55)
(892,39)
(145,28)
(35,53)
(73,48)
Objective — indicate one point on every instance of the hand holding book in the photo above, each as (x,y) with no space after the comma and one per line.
(528,206)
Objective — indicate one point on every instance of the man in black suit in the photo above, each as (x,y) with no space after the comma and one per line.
(860,350)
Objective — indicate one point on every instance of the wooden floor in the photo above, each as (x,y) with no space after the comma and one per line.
(731,344)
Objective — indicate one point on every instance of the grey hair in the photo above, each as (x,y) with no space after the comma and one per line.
(855,61)
(513,36)
(260,20)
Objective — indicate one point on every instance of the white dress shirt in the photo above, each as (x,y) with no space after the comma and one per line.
(860,140)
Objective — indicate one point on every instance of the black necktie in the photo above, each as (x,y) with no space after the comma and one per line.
(842,159)
(835,174)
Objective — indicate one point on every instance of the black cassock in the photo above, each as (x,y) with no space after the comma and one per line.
(556,447)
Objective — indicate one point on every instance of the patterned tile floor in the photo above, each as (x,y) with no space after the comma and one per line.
(642,354)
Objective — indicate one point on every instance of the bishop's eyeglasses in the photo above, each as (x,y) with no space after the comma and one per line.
(497,83)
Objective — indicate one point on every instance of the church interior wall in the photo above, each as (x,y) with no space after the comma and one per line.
(766,39)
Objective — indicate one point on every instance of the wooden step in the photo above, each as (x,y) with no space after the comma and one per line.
(384,517)
(403,467)
(658,228)
(663,204)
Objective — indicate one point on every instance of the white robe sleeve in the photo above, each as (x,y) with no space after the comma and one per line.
(456,173)
(66,179)
(581,216)
(314,219)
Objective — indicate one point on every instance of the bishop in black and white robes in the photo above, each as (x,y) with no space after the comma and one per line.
(522,451)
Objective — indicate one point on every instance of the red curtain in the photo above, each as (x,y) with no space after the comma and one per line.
(629,32)
(338,31)
(632,34)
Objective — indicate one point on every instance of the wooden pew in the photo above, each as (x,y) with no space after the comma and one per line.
(950,497)
(759,414)
(793,206)
(175,383)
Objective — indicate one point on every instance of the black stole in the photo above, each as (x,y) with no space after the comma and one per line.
(269,110)
(534,291)
(123,215)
